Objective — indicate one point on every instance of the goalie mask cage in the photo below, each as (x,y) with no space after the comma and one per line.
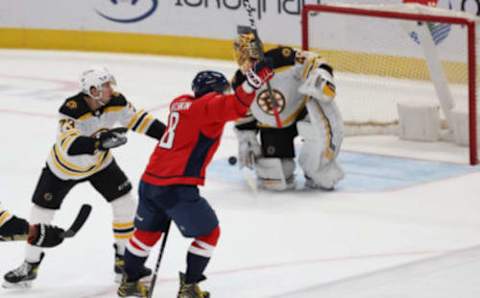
(384,55)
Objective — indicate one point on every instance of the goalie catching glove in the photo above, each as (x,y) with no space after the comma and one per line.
(112,138)
(319,84)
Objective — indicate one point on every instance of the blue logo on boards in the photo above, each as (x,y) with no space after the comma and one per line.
(134,19)
(438,31)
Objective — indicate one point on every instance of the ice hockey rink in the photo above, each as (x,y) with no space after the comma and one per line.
(404,223)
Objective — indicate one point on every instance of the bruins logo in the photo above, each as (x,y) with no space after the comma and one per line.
(286,52)
(265,102)
(67,124)
(48,196)
(72,105)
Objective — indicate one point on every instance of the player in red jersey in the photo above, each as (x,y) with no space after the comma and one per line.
(168,190)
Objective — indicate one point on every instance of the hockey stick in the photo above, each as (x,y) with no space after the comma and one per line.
(247,173)
(250,179)
(157,266)
(72,231)
(253,27)
(79,221)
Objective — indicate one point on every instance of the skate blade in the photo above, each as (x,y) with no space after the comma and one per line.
(18,285)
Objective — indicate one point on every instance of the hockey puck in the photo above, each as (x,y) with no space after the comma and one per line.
(232,160)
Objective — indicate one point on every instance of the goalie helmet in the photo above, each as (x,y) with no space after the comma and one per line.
(95,77)
(209,81)
(245,46)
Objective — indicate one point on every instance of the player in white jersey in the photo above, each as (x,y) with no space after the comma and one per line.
(87,130)
(304,91)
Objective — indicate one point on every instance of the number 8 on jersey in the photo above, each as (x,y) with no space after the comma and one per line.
(166,141)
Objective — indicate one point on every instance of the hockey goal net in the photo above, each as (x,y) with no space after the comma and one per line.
(395,63)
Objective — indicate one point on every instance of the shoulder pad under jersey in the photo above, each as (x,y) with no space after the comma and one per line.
(118,100)
(282,56)
(75,106)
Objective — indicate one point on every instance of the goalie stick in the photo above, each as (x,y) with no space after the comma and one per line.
(248,173)
(253,27)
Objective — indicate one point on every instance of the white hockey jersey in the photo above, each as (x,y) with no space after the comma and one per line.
(77,119)
(5,215)
(291,69)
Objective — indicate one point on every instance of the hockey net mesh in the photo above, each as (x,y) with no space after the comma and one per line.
(379,62)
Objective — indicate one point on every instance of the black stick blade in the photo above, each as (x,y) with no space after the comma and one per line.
(79,221)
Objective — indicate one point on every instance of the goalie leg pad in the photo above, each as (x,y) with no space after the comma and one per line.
(310,157)
(317,157)
(325,178)
(276,173)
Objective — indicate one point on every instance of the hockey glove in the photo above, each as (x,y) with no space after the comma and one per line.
(260,73)
(112,138)
(319,84)
(248,148)
(43,235)
(14,228)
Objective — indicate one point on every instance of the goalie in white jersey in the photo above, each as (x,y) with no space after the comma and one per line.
(87,130)
(304,90)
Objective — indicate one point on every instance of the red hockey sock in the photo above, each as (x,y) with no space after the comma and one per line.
(142,242)
(199,255)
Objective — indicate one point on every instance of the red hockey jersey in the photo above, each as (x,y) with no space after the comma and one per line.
(192,136)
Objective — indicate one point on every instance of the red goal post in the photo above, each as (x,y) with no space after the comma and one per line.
(419,13)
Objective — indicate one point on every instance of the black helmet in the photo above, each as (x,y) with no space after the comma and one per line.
(209,81)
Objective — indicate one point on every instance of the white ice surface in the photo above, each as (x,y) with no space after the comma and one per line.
(272,244)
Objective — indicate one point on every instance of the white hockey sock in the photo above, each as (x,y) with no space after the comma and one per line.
(37,215)
(123,215)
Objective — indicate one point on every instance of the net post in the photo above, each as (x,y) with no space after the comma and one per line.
(469,23)
(305,27)
(472,91)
